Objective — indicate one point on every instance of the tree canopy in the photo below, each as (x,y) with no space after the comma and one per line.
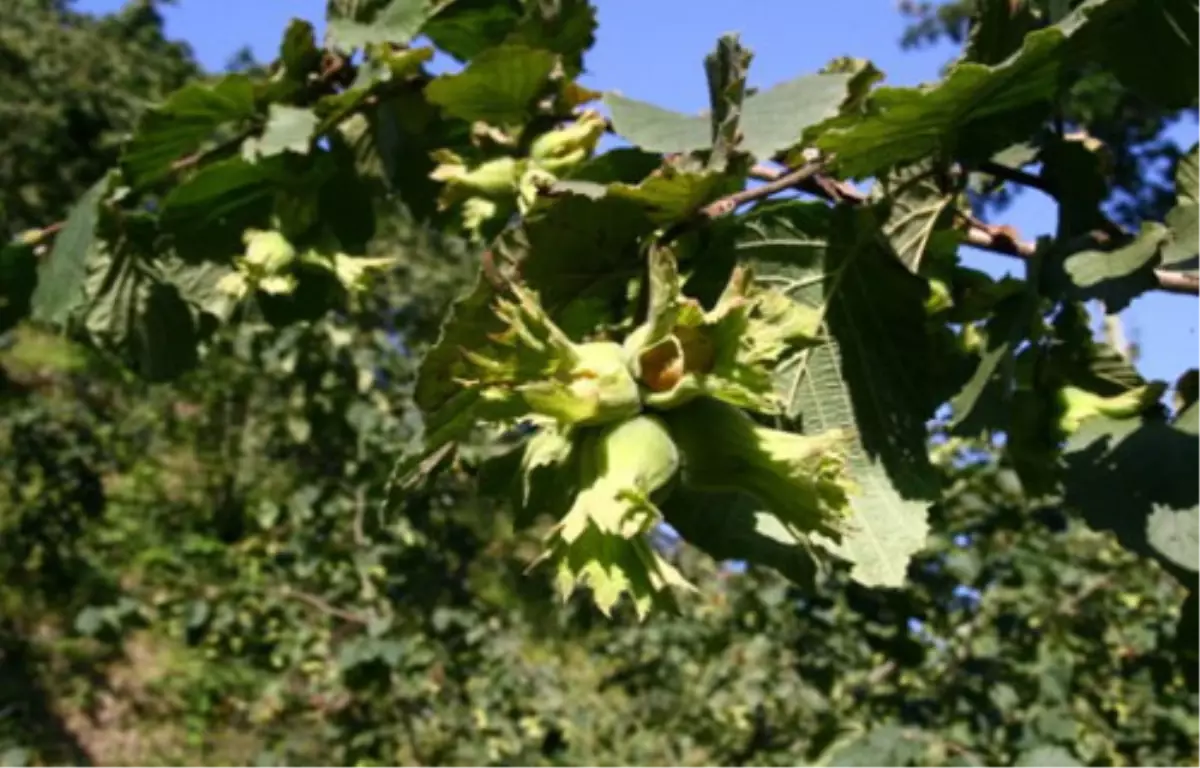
(377,414)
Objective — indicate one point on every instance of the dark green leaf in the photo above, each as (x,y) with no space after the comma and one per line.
(230,195)
(468,27)
(299,51)
(499,86)
(917,208)
(997,30)
(1184,218)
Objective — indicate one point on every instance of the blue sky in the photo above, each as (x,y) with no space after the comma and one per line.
(653,51)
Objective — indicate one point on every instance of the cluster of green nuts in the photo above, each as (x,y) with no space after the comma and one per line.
(270,259)
(487,188)
(620,426)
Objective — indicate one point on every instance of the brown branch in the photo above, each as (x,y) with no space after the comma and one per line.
(324,607)
(1002,240)
(781,182)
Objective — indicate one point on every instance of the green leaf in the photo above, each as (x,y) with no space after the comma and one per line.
(564,27)
(498,87)
(395,23)
(655,129)
(18,279)
(776,119)
(1118,276)
(289,129)
(731,526)
(974,112)
(468,325)
(871,377)
(62,274)
(1077,168)
(193,118)
(770,121)
(469,27)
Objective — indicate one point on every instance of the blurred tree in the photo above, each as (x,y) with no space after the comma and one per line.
(71,86)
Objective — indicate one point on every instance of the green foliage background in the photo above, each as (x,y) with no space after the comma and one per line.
(198,571)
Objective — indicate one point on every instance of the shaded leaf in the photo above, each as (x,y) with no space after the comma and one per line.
(997,30)
(146,320)
(730,526)
(1184,218)
(1005,330)
(1153,51)
(1137,478)
(870,378)
(469,27)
